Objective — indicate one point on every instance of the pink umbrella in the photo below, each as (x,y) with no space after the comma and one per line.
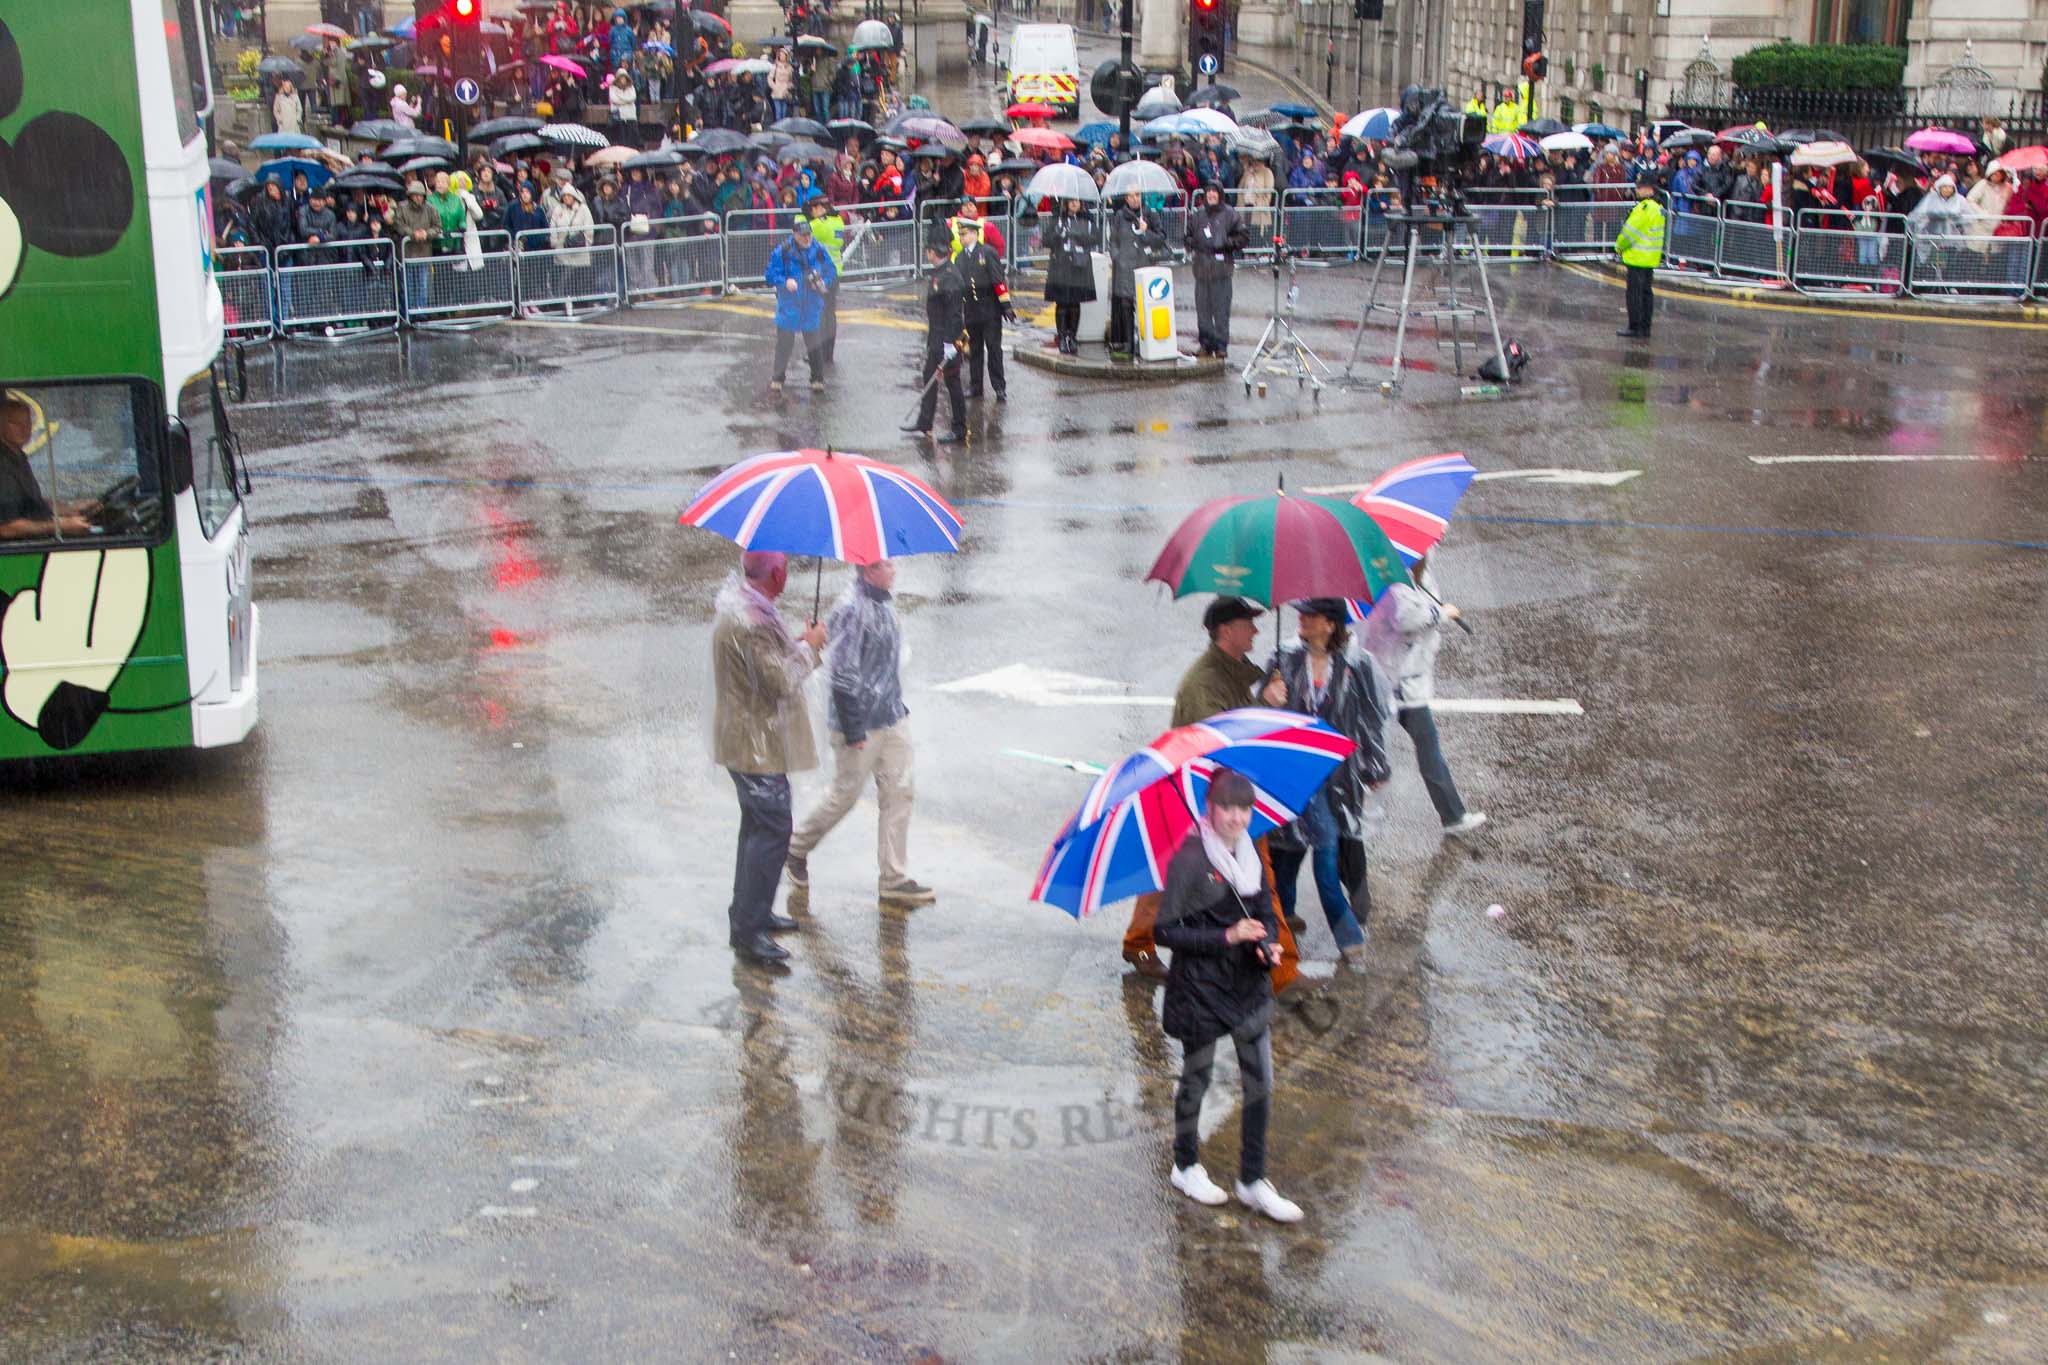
(721,66)
(562,64)
(1941,140)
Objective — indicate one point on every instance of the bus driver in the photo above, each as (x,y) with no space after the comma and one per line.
(24,512)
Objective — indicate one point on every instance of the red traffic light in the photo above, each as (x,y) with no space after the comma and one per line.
(465,9)
(1205,4)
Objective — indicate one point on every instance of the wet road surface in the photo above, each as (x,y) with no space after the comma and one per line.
(408,1029)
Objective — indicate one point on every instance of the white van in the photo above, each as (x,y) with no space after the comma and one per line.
(1045,66)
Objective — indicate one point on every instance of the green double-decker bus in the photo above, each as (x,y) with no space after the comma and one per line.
(125,612)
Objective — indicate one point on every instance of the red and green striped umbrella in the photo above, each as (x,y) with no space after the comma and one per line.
(1278,548)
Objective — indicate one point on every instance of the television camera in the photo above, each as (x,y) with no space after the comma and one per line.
(1434,146)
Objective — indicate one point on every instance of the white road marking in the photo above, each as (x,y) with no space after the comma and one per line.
(558,1163)
(523,1184)
(507,1211)
(1033,686)
(1595,478)
(1861,459)
(492,1101)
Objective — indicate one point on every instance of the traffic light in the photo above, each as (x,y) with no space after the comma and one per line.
(463,19)
(1368,11)
(1206,19)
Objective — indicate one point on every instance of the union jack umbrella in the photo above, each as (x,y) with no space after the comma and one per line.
(829,503)
(1515,146)
(1413,503)
(1137,814)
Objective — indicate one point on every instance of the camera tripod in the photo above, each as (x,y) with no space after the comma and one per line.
(1281,350)
(1458,231)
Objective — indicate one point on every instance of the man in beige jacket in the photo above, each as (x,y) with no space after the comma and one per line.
(761,733)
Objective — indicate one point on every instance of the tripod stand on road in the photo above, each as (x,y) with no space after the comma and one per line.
(1281,350)
(1458,235)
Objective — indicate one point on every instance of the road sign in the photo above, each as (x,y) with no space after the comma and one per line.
(467,91)
(1208,64)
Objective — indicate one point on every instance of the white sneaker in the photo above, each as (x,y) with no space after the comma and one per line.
(1261,1195)
(1194,1182)
(1473,820)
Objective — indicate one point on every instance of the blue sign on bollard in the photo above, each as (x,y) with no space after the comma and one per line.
(1208,64)
(467,91)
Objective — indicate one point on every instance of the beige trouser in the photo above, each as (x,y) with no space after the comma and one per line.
(886,757)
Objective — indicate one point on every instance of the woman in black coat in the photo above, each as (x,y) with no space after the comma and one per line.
(1216,918)
(1069,271)
(1133,242)
(1324,681)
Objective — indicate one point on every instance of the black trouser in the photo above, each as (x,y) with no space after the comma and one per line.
(936,362)
(785,342)
(1255,1072)
(1066,319)
(985,344)
(828,325)
(1123,324)
(763,845)
(1641,298)
(1212,313)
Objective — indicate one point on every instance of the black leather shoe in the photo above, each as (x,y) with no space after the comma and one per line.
(782,924)
(1627,332)
(973,394)
(916,430)
(1002,395)
(761,948)
(951,438)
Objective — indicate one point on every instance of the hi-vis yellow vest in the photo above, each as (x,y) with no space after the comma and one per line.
(1642,237)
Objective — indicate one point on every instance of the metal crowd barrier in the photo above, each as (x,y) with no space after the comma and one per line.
(1260,210)
(574,269)
(1318,223)
(1583,226)
(1971,266)
(243,274)
(2041,264)
(338,293)
(1513,224)
(750,237)
(1868,258)
(1692,235)
(683,259)
(1755,243)
(461,292)
(877,249)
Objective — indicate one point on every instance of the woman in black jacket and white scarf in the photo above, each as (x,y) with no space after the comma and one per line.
(1216,917)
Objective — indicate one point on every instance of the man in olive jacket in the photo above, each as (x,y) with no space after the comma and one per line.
(1220,680)
(761,733)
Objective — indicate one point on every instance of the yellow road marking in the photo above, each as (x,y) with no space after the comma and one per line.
(1749,298)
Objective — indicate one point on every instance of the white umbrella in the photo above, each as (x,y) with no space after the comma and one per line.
(1823,154)
(574,135)
(1142,177)
(872,33)
(1567,142)
(1211,120)
(610,156)
(1380,122)
(1256,143)
(1156,102)
(1061,181)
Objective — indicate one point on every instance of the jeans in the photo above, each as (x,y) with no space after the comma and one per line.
(1429,759)
(1320,828)
(1255,1068)
(763,845)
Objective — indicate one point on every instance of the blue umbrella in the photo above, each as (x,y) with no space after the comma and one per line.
(1598,130)
(1141,810)
(285,142)
(1173,125)
(404,27)
(1376,124)
(1095,134)
(1296,110)
(285,167)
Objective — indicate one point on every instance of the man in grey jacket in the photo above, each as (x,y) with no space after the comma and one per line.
(870,734)
(1403,632)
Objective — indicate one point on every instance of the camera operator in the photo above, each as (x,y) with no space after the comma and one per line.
(801,272)
(1215,236)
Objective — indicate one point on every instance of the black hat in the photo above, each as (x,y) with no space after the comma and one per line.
(1224,610)
(1329,608)
(1646,181)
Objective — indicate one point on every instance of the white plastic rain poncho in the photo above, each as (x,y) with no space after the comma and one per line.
(1935,216)
(760,723)
(1403,632)
(865,655)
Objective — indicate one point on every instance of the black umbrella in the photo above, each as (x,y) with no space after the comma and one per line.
(928,152)
(1800,137)
(1755,139)
(305,42)
(811,42)
(406,147)
(1688,137)
(776,40)
(711,26)
(720,141)
(426,163)
(378,130)
(240,189)
(1014,165)
(368,180)
(1295,130)
(894,144)
(809,152)
(279,66)
(1267,118)
(1214,96)
(1000,127)
(801,127)
(655,161)
(768,140)
(518,142)
(376,42)
(490,130)
(220,168)
(1899,158)
(1544,127)
(843,126)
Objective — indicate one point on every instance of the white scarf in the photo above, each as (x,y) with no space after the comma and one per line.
(1240,866)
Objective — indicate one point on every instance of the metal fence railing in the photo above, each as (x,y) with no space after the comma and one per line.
(338,293)
(1867,257)
(573,269)
(682,260)
(245,280)
(464,290)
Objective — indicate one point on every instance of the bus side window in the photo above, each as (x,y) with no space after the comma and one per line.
(78,464)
